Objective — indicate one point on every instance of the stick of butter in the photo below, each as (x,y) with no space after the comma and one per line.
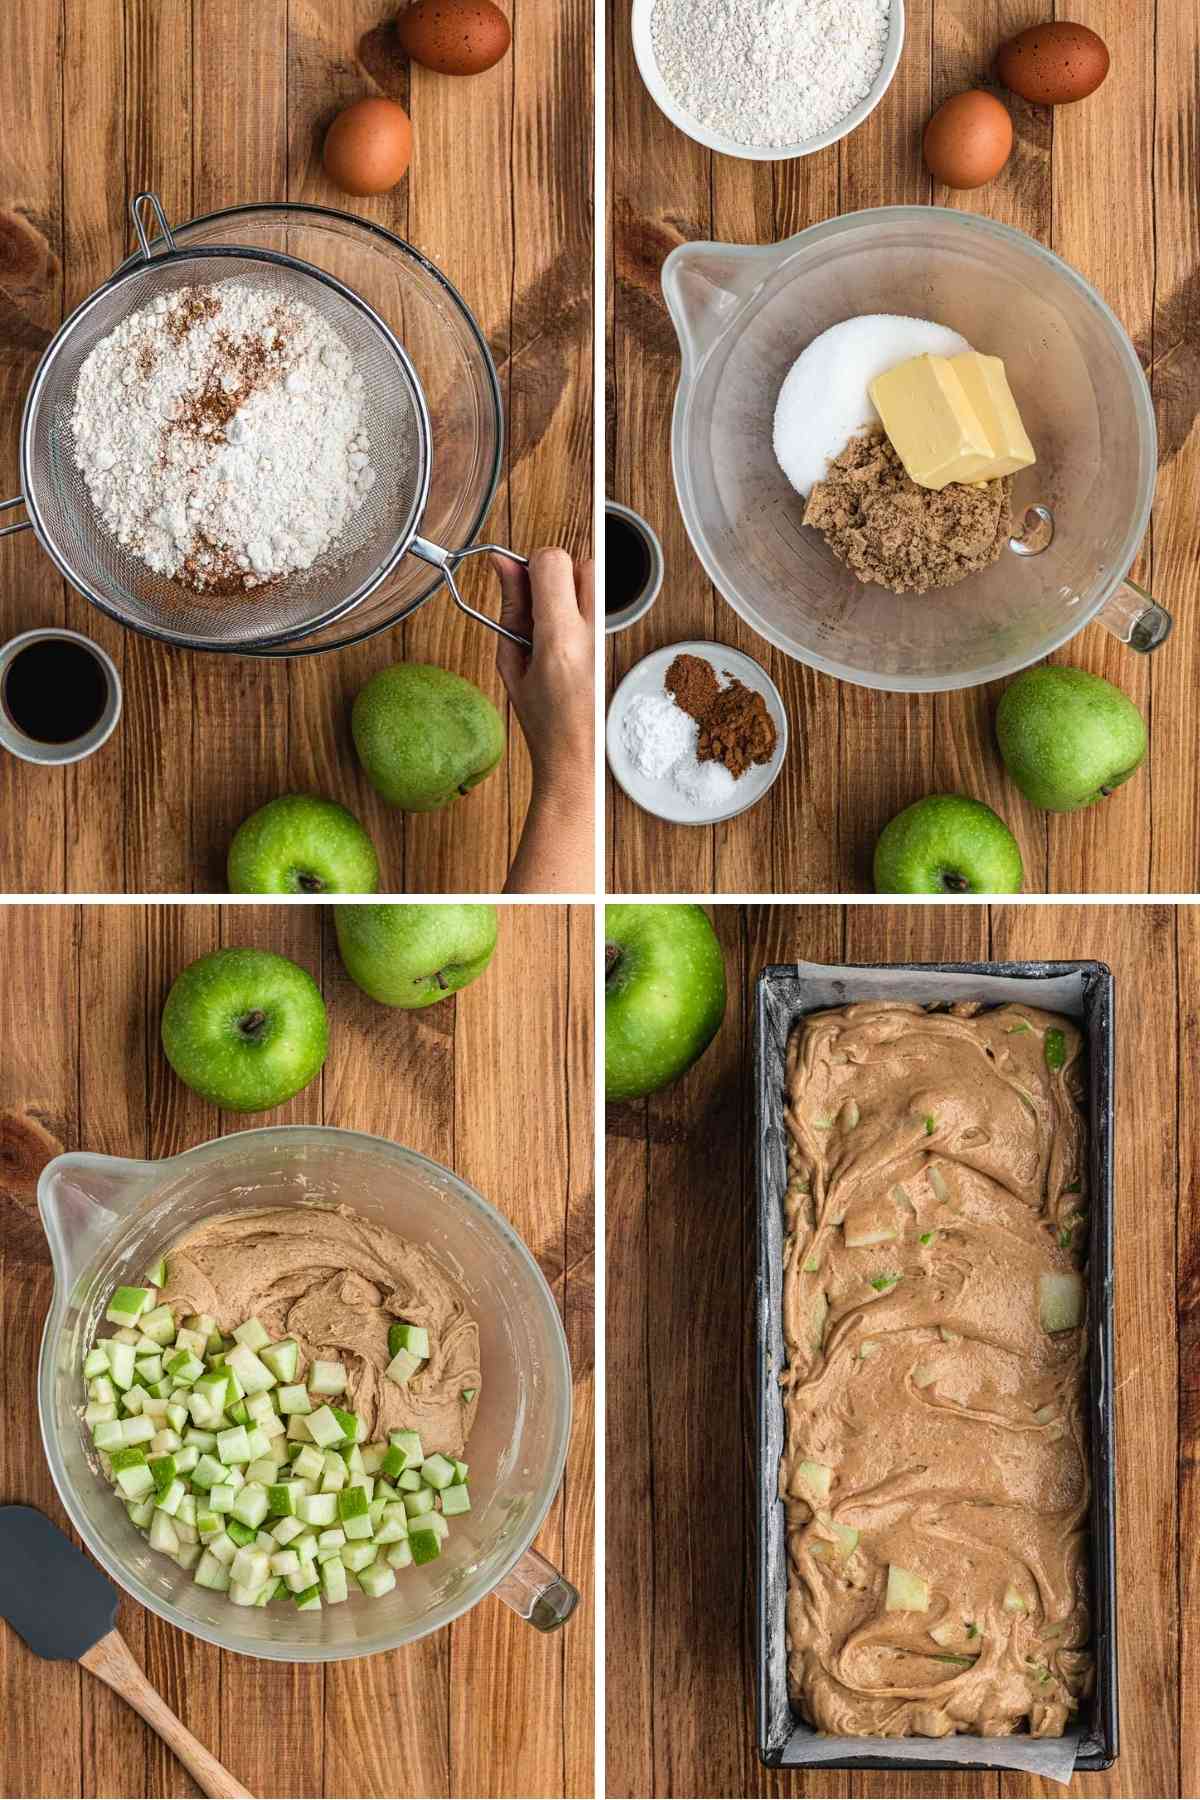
(986,387)
(951,419)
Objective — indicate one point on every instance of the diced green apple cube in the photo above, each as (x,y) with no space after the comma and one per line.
(185,1367)
(317,1509)
(121,1363)
(283,1358)
(376,1580)
(95,1414)
(253,1334)
(424,1541)
(249,1568)
(193,1341)
(436,1472)
(309,1465)
(906,1592)
(1061,1301)
(327,1378)
(358,1557)
(233,1446)
(400,1555)
(287,1531)
(456,1499)
(294,1401)
(252,1373)
(333,1581)
(95,1362)
(410,1443)
(250,1506)
(324,1428)
(108,1434)
(815,1481)
(304,1577)
(141,1512)
(402,1367)
(413,1338)
(420,1502)
(128,1304)
(137,1430)
(212,1573)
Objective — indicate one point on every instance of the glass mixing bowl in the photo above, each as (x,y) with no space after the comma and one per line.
(108,1219)
(453,364)
(744,313)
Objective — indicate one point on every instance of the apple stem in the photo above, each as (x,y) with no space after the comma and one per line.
(311,884)
(955,884)
(464,790)
(441,981)
(612,956)
(252,1024)
(1107,792)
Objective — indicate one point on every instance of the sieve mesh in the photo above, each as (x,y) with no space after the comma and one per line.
(373,540)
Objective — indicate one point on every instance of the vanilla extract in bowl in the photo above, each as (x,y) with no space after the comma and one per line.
(55,690)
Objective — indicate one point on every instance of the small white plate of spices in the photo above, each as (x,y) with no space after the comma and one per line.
(652,735)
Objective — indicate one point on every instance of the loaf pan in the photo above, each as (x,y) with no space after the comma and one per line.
(784,995)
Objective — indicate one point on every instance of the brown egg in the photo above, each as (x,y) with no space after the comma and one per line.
(368,147)
(455,37)
(968,139)
(1053,64)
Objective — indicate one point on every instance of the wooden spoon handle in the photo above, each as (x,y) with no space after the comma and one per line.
(112,1660)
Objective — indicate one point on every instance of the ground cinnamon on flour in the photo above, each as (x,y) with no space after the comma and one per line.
(735,727)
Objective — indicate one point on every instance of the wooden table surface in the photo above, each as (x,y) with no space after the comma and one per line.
(213,103)
(1111,186)
(496,1084)
(680,1284)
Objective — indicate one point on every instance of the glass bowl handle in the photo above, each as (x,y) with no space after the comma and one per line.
(1135,617)
(447,561)
(537,1593)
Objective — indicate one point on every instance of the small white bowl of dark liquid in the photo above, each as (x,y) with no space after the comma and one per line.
(633,566)
(60,696)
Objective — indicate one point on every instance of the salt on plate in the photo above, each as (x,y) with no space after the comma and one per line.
(824,402)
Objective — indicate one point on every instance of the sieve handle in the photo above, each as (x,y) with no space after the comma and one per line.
(447,561)
(136,207)
(21,525)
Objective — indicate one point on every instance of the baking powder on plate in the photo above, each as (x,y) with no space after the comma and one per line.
(769,72)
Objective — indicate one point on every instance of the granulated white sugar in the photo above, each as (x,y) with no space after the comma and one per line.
(769,72)
(824,402)
(707,785)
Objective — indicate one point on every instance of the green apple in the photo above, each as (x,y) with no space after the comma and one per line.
(245,1028)
(415,955)
(1068,738)
(947,844)
(425,736)
(301,844)
(664,995)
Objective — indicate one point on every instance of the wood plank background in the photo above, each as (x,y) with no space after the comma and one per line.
(214,103)
(680,1281)
(1111,186)
(495,1083)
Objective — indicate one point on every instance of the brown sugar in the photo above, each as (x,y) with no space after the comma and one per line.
(888,530)
(735,727)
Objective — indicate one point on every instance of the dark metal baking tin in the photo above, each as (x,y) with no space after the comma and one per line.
(783,995)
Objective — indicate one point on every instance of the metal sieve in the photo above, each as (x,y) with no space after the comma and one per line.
(383,529)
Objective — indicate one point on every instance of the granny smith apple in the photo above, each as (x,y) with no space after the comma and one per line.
(425,736)
(664,995)
(947,844)
(415,955)
(245,1028)
(301,844)
(1068,738)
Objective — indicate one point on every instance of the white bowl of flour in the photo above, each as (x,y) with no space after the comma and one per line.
(767,79)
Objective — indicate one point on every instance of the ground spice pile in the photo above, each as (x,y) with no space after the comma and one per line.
(735,727)
(907,538)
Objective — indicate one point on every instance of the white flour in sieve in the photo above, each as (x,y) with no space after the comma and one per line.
(220,434)
(769,72)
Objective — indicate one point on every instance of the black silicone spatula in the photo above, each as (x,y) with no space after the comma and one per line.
(65,1610)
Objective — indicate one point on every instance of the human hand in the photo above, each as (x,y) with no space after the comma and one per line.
(551,687)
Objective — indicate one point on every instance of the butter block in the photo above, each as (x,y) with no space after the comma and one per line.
(985,384)
(934,429)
